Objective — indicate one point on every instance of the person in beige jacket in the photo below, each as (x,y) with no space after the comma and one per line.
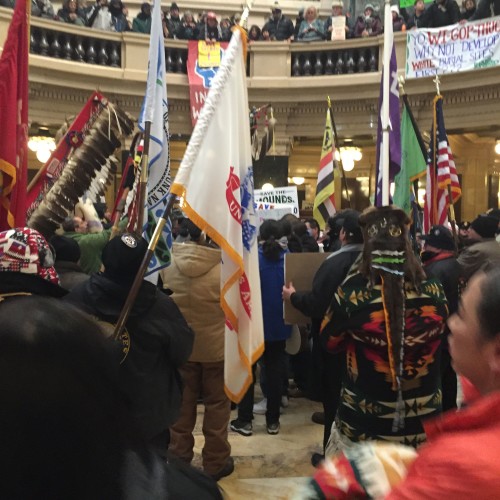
(194,279)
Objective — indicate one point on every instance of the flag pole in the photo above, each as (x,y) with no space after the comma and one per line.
(385,103)
(451,208)
(337,148)
(143,180)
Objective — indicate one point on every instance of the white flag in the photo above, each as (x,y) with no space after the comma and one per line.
(155,110)
(215,180)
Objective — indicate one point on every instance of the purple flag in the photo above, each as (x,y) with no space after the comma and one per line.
(395,132)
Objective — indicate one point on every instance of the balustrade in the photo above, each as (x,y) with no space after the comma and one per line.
(73,47)
(334,62)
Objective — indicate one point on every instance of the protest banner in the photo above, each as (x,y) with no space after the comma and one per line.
(281,197)
(452,49)
(201,70)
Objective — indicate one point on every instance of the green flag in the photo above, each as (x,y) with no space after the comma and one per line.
(413,164)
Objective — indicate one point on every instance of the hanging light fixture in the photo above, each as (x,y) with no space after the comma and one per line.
(497,147)
(42,144)
(349,155)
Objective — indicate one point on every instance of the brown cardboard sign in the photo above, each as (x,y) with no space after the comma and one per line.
(300,269)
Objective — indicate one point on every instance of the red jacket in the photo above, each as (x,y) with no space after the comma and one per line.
(461,459)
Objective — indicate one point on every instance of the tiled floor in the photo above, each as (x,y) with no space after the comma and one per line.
(270,467)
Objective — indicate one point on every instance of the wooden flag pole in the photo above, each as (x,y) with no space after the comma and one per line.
(143,181)
(337,148)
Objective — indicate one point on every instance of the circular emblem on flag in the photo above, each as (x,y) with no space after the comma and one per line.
(129,240)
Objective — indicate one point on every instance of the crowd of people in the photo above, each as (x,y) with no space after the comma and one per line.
(113,15)
(388,334)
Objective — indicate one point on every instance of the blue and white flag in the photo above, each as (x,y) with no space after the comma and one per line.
(394,122)
(155,110)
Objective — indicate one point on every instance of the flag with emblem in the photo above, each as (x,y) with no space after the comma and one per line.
(441,172)
(324,202)
(413,161)
(14,119)
(215,183)
(155,110)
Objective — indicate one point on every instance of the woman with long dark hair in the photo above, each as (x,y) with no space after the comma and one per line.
(272,250)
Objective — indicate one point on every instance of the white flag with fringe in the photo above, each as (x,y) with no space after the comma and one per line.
(215,181)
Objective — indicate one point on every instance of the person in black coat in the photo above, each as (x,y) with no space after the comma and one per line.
(442,13)
(279,26)
(327,371)
(440,261)
(157,339)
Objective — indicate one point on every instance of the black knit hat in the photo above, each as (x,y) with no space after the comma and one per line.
(122,257)
(485,226)
(351,226)
(66,249)
(440,237)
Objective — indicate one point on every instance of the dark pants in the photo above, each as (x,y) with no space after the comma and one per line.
(448,382)
(332,369)
(274,358)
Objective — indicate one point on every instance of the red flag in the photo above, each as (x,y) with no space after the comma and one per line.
(441,173)
(14,120)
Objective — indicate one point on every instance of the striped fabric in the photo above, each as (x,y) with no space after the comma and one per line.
(324,202)
(441,173)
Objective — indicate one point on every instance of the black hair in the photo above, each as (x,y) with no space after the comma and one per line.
(270,232)
(300,229)
(64,421)
(313,223)
(487,309)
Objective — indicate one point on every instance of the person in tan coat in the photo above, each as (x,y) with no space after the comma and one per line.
(194,279)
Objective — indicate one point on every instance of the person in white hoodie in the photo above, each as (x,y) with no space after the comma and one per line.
(194,279)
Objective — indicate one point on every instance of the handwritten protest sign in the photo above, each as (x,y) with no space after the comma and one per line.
(459,47)
(338,27)
(282,197)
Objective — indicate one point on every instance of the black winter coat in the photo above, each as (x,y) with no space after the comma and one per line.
(160,342)
(437,17)
(282,29)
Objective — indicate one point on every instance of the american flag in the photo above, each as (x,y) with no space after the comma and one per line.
(441,173)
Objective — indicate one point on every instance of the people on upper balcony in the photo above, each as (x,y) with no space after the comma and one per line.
(442,13)
(398,23)
(210,31)
(337,11)
(418,18)
(298,22)
(469,10)
(142,23)
(311,28)
(71,13)
(119,15)
(484,9)
(189,29)
(174,23)
(368,24)
(255,34)
(164,25)
(99,16)
(225,29)
(41,8)
(279,26)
